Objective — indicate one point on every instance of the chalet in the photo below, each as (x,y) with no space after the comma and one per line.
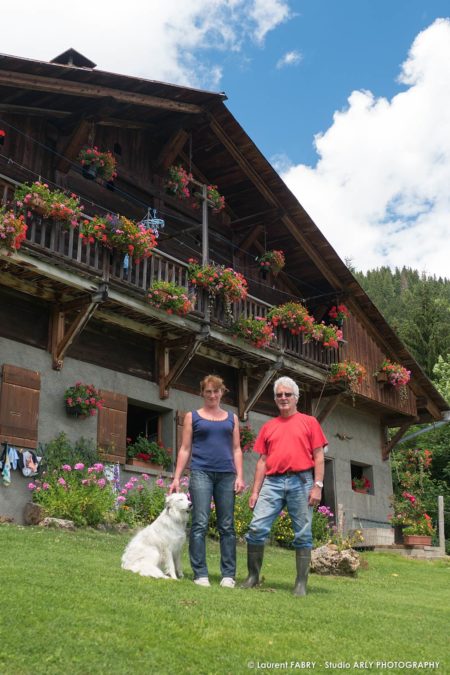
(73,309)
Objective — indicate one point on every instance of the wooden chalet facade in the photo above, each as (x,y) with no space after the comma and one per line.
(71,311)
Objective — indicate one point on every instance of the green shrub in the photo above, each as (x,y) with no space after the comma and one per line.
(79,493)
(242,517)
(141,500)
(61,451)
(283,533)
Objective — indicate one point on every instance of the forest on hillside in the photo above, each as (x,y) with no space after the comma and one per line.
(417,306)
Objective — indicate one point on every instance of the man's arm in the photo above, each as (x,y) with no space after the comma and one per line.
(260,473)
(315,494)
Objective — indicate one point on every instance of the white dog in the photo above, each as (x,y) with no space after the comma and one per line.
(156,550)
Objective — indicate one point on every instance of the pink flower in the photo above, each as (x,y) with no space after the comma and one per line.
(124,492)
(31,486)
(79,466)
(145,476)
(160,482)
(129,485)
(61,481)
(45,486)
(101,483)
(66,467)
(98,467)
(120,500)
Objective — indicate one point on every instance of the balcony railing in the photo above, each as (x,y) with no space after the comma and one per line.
(56,241)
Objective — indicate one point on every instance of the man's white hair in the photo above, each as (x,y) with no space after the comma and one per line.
(287,382)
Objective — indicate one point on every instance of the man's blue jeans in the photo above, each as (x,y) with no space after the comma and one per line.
(276,493)
(203,486)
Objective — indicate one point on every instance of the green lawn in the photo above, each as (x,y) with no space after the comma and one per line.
(68,607)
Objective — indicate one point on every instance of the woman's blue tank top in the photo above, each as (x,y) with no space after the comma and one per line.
(212,444)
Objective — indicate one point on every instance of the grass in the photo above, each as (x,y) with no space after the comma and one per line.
(68,607)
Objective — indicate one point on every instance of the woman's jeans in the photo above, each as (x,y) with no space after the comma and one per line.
(291,491)
(203,486)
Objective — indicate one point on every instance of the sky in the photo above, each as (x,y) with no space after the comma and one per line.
(349,100)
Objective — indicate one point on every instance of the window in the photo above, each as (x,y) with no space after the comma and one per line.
(362,477)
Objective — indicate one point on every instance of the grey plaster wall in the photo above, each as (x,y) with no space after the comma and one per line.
(359,441)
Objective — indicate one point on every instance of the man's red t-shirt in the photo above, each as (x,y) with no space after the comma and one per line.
(289,442)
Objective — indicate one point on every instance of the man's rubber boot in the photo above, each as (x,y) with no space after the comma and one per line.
(255,554)
(303,560)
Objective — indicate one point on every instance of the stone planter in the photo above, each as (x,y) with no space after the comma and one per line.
(416,540)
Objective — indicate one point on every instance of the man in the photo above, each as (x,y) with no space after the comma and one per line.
(288,473)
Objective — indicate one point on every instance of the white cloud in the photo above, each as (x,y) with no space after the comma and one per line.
(153,39)
(380,190)
(292,58)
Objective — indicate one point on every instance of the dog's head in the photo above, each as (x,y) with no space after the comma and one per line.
(178,501)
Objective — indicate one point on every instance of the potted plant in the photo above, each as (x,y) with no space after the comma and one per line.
(256,330)
(215,198)
(13,229)
(293,316)
(395,375)
(361,485)
(177,182)
(97,163)
(149,454)
(95,229)
(338,314)
(131,238)
(273,261)
(247,438)
(82,400)
(170,297)
(350,373)
(419,533)
(47,203)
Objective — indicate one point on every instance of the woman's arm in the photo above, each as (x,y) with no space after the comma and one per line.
(184,453)
(239,484)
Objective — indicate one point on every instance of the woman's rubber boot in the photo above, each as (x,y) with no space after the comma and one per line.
(255,554)
(303,560)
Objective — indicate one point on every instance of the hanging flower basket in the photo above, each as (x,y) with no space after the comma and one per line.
(170,297)
(218,281)
(272,261)
(338,314)
(95,163)
(82,400)
(329,336)
(395,375)
(177,181)
(255,330)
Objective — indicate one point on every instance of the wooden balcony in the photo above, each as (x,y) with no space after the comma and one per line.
(63,248)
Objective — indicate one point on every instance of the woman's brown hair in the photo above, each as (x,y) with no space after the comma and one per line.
(215,381)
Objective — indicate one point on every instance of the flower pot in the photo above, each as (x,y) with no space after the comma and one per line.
(75,411)
(89,172)
(144,464)
(416,540)
(382,377)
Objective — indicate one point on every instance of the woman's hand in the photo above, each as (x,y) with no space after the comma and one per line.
(174,486)
(239,485)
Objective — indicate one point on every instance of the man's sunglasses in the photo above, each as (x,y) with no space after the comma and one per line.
(288,394)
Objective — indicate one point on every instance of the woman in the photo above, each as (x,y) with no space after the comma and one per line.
(211,440)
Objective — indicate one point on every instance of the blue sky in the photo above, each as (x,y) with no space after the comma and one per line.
(349,100)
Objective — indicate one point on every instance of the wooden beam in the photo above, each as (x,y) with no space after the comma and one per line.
(60,348)
(246,405)
(251,238)
(328,409)
(76,141)
(61,86)
(171,150)
(168,377)
(395,439)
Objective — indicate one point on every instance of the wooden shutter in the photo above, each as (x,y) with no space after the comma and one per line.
(19,406)
(112,426)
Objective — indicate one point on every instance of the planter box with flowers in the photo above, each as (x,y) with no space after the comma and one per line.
(272,261)
(293,316)
(170,297)
(120,233)
(410,515)
(96,163)
(395,375)
(82,400)
(329,336)
(256,330)
(218,281)
(149,454)
(55,204)
(13,229)
(350,373)
(361,485)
